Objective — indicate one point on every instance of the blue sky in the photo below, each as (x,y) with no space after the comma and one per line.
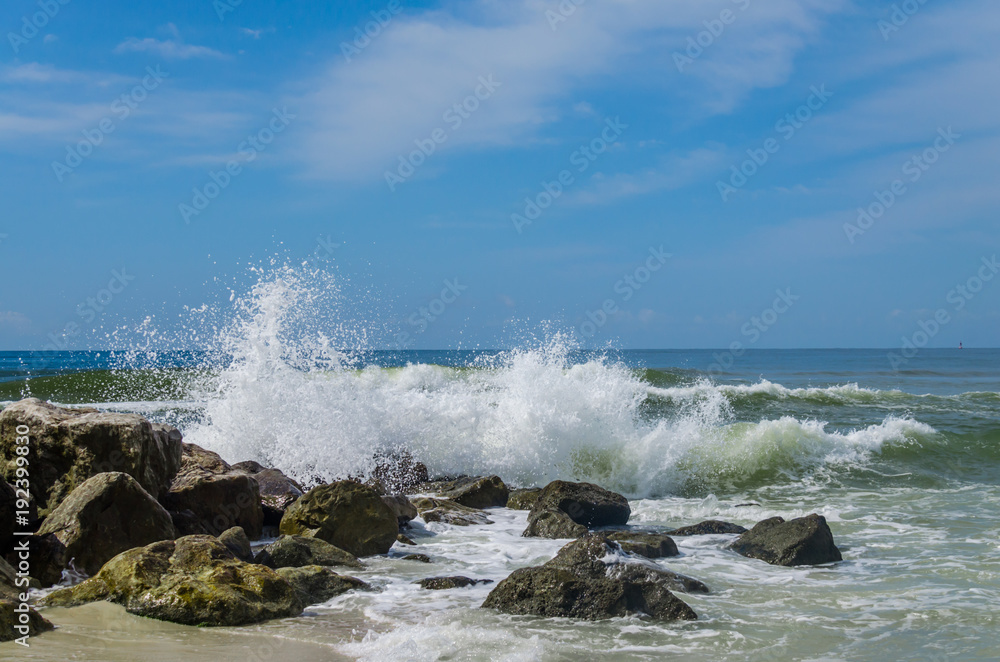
(644,124)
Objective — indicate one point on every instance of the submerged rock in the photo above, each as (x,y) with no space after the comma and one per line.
(552,524)
(487,492)
(523,499)
(401,507)
(585,504)
(403,540)
(194,580)
(708,527)
(591,578)
(315,584)
(445,583)
(449,512)
(11,625)
(420,558)
(347,514)
(650,545)
(299,551)
(106,515)
(68,446)
(803,541)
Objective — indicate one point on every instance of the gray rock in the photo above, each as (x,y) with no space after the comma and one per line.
(650,545)
(552,524)
(401,507)
(445,583)
(315,584)
(347,514)
(236,541)
(479,493)
(803,541)
(449,512)
(420,558)
(277,491)
(523,499)
(708,527)
(586,504)
(299,551)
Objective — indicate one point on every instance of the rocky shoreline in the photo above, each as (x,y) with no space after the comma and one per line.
(165,529)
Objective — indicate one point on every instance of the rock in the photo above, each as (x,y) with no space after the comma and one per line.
(590,578)
(219,500)
(299,551)
(403,540)
(194,456)
(552,524)
(194,580)
(315,584)
(277,491)
(803,541)
(420,558)
(236,541)
(68,446)
(523,499)
(398,471)
(187,524)
(11,625)
(401,507)
(106,515)
(8,514)
(444,583)
(47,555)
(488,492)
(709,527)
(585,504)
(449,512)
(650,545)
(9,590)
(347,514)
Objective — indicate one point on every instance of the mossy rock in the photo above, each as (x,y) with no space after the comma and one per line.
(315,584)
(299,551)
(523,499)
(345,514)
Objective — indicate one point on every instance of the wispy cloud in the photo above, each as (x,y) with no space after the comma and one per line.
(168,49)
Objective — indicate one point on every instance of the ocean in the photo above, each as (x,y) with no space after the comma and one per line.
(904,464)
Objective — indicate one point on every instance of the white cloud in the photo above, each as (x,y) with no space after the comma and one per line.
(169,49)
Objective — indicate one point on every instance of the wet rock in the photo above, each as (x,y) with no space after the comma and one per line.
(68,446)
(347,514)
(523,499)
(401,507)
(398,471)
(552,524)
(403,540)
(194,457)
(420,558)
(315,584)
(236,541)
(106,515)
(444,583)
(277,491)
(591,578)
(650,545)
(187,524)
(803,541)
(299,551)
(479,493)
(194,580)
(449,512)
(47,555)
(11,626)
(708,527)
(586,504)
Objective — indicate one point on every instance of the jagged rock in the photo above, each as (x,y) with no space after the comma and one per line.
(277,491)
(187,524)
(592,578)
(299,551)
(11,625)
(68,446)
(803,541)
(236,541)
(194,456)
(523,499)
(552,524)
(449,512)
(420,558)
(194,580)
(315,584)
(650,545)
(475,492)
(347,514)
(401,507)
(444,583)
(218,496)
(106,515)
(708,527)
(586,504)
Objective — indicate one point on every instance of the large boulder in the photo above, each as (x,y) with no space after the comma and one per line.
(194,580)
(402,508)
(708,527)
(315,584)
(14,627)
(649,545)
(552,524)
(803,541)
(106,515)
(277,491)
(586,504)
(487,492)
(299,551)
(592,578)
(68,446)
(523,499)
(447,511)
(346,514)
(219,497)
